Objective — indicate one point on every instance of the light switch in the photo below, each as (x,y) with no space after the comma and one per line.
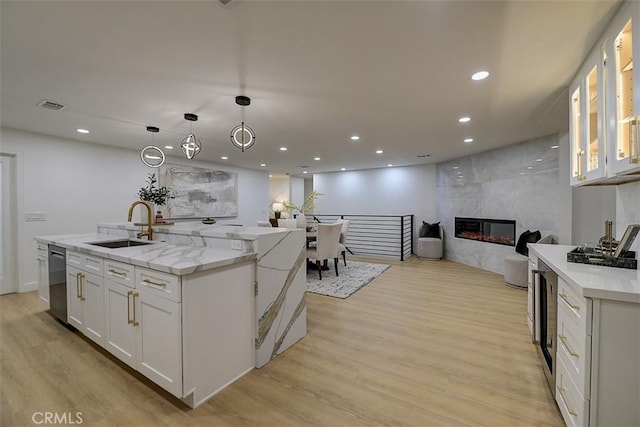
(236,244)
(34,216)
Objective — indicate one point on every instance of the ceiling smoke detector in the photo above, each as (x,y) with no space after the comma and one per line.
(224,2)
(50,105)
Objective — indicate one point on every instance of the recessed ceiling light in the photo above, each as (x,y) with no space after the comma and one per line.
(224,158)
(521,173)
(283,148)
(480,75)
(464,119)
(343,169)
(263,164)
(468,140)
(355,138)
(80,130)
(305,172)
(389,165)
(316,158)
(169,147)
(529,167)
(379,151)
(455,167)
(538,160)
(555,146)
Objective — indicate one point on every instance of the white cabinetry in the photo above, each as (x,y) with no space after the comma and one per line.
(587,127)
(531,297)
(143,327)
(604,101)
(622,45)
(573,355)
(43,274)
(85,295)
(597,370)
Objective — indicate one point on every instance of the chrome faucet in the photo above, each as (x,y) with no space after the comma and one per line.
(149,232)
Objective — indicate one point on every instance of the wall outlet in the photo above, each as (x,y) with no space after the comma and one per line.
(236,245)
(34,216)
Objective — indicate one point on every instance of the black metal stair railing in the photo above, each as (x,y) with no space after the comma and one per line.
(374,235)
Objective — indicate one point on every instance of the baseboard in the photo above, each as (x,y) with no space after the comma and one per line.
(28,287)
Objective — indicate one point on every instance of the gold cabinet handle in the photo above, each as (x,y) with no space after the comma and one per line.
(563,338)
(566,299)
(150,282)
(78,285)
(129,319)
(135,323)
(566,403)
(119,273)
(634,143)
(82,276)
(577,171)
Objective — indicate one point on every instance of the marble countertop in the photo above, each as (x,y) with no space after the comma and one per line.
(169,258)
(593,281)
(205,230)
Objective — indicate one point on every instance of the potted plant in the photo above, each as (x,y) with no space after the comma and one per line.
(157,196)
(307,206)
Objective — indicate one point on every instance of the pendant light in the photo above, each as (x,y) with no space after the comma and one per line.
(242,136)
(151,155)
(191,145)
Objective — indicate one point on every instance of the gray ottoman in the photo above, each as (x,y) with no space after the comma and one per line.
(429,247)
(515,270)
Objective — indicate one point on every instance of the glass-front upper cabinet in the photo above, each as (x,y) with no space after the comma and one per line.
(587,121)
(623,106)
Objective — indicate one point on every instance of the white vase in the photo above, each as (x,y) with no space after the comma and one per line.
(301,221)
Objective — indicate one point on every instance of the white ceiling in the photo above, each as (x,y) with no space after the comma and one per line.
(396,73)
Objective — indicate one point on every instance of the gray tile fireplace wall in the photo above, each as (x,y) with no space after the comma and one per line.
(518,182)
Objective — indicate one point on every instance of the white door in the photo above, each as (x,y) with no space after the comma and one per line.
(8,248)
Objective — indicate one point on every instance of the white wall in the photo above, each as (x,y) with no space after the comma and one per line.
(296,190)
(388,191)
(278,192)
(565,203)
(77,184)
(628,211)
(592,206)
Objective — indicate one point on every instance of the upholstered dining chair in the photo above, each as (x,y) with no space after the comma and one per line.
(326,246)
(342,244)
(287,223)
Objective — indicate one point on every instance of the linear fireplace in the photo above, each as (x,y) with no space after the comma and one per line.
(500,231)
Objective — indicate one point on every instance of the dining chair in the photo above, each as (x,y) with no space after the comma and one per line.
(326,246)
(342,244)
(287,223)
(264,224)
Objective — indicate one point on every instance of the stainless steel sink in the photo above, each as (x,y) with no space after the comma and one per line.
(125,243)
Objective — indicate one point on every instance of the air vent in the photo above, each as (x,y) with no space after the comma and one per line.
(50,105)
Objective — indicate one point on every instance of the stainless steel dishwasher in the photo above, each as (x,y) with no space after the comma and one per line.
(58,282)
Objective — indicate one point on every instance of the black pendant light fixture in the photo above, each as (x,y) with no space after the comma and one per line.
(191,145)
(151,155)
(242,136)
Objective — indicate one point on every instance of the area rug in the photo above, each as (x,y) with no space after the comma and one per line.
(352,277)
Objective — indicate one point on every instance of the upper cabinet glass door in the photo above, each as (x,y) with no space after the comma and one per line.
(593,121)
(575,132)
(587,122)
(624,101)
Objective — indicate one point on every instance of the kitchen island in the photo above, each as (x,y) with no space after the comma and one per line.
(597,339)
(187,315)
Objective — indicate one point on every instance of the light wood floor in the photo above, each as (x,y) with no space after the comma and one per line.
(428,343)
